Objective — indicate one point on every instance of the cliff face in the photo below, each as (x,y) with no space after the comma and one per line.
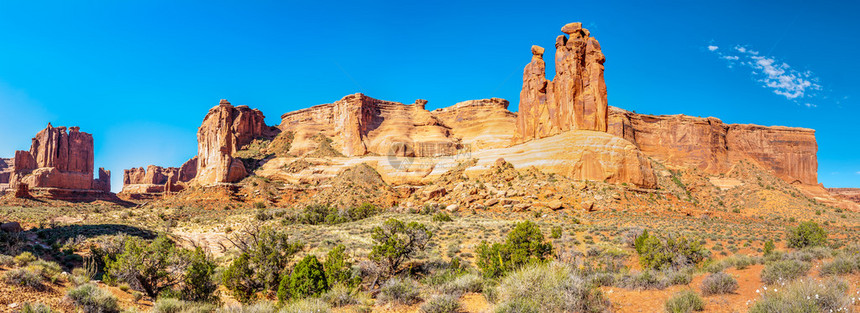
(59,165)
(713,146)
(360,125)
(5,174)
(575,99)
(479,124)
(225,130)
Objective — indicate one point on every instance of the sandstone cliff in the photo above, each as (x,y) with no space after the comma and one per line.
(225,130)
(59,165)
(713,146)
(5,173)
(479,124)
(360,125)
(575,99)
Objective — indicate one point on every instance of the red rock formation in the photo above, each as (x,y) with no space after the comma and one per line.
(713,146)
(850,194)
(575,99)
(188,170)
(360,125)
(225,130)
(479,124)
(59,163)
(5,173)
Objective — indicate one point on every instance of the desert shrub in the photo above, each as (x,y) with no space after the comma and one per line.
(769,247)
(805,296)
(37,307)
(151,268)
(318,214)
(657,252)
(647,279)
(396,242)
(7,260)
(841,265)
(441,304)
(442,217)
(806,234)
(25,258)
(719,283)
(338,268)
(172,305)
(239,279)
(48,270)
(399,291)
(23,278)
(462,284)
(341,295)
(785,270)
(308,305)
(555,232)
(259,307)
(308,279)
(90,298)
(684,302)
(524,245)
(267,253)
(198,285)
(548,287)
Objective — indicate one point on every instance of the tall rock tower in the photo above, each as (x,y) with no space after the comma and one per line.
(575,99)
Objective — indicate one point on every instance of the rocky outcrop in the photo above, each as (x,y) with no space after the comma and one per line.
(152,182)
(576,97)
(225,130)
(713,146)
(479,124)
(849,194)
(59,165)
(360,125)
(5,174)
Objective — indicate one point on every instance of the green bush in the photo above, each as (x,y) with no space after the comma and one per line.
(37,307)
(90,298)
(23,278)
(25,258)
(151,268)
(684,302)
(548,287)
(524,245)
(341,295)
(769,247)
(308,279)
(48,270)
(259,307)
(396,242)
(441,304)
(805,296)
(668,252)
(338,268)
(719,283)
(442,217)
(265,254)
(785,270)
(198,285)
(807,234)
(239,279)
(556,232)
(399,291)
(7,260)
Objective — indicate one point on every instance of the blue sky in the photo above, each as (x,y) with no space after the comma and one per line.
(140,75)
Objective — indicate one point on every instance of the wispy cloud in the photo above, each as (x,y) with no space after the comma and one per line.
(797,86)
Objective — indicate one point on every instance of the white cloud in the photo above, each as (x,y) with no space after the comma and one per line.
(858,172)
(713,48)
(777,76)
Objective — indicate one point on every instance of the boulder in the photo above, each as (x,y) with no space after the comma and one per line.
(452,208)
(11,227)
(587,205)
(555,205)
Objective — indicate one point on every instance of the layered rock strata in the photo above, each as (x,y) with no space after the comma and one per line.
(713,146)
(225,130)
(59,165)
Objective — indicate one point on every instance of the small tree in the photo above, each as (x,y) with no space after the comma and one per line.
(308,279)
(658,252)
(524,245)
(239,279)
(338,268)
(269,252)
(151,267)
(396,242)
(768,247)
(807,234)
(198,284)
